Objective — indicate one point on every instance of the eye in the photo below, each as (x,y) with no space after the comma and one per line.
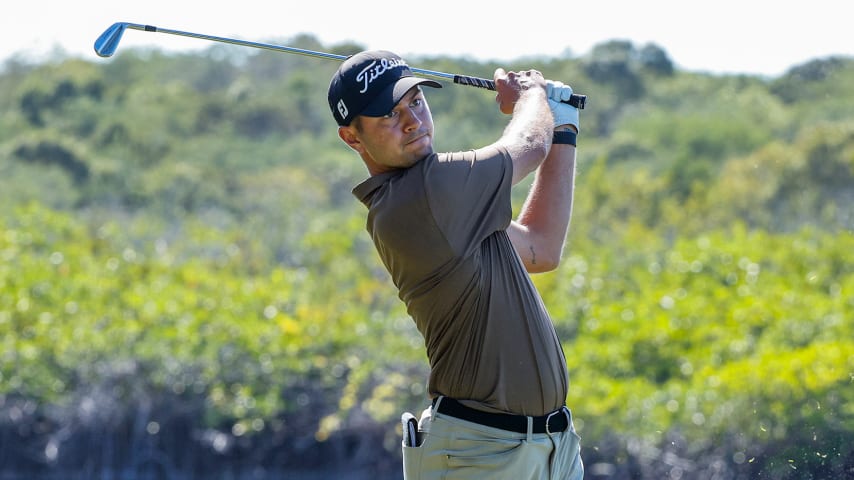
(391,114)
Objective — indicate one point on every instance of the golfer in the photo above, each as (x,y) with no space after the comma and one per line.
(442,225)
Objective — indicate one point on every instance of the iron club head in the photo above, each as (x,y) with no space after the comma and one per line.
(106,44)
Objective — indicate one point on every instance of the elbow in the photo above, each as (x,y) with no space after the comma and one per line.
(540,150)
(542,267)
(527,160)
(550,266)
(545,263)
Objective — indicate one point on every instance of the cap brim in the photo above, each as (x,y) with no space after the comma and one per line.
(388,98)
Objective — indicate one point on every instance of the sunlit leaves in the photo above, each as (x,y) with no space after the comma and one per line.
(735,335)
(180,231)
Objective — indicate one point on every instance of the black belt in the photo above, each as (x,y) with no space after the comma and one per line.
(554,422)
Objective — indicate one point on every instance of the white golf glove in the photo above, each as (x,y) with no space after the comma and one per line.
(564,113)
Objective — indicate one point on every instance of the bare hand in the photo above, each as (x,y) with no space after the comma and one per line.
(511,85)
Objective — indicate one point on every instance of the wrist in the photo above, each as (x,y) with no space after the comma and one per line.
(564,137)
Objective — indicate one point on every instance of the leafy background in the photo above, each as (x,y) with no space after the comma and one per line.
(187,290)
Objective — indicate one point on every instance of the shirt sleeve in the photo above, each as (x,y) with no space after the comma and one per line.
(469,195)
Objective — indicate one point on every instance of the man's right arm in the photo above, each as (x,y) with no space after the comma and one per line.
(527,138)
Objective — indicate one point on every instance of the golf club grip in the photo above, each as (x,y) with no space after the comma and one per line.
(575,100)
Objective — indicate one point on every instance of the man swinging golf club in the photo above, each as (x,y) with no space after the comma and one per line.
(442,225)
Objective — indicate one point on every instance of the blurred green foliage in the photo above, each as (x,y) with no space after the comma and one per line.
(182,227)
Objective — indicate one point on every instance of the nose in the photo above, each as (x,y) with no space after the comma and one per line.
(411,121)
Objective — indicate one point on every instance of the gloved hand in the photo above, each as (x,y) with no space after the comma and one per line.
(564,113)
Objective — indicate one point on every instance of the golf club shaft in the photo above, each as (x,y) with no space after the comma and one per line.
(107,43)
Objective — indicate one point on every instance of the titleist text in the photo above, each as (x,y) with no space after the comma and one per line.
(375,70)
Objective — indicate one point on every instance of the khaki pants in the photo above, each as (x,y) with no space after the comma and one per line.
(454,449)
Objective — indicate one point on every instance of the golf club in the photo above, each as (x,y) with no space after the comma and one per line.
(107,42)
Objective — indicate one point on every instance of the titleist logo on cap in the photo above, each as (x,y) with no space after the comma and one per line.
(376,69)
(370,83)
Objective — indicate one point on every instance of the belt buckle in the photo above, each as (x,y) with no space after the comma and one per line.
(549,418)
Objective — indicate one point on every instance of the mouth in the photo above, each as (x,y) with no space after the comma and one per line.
(418,137)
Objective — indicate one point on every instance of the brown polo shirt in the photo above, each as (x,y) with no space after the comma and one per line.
(440,229)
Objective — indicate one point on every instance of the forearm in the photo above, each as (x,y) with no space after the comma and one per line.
(539,233)
(528,135)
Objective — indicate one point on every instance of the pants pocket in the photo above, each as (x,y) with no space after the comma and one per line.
(566,461)
(484,456)
(412,457)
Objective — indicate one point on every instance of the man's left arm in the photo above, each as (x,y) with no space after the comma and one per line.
(539,232)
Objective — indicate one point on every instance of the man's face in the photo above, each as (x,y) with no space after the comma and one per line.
(397,140)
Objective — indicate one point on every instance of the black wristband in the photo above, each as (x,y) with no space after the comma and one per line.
(564,137)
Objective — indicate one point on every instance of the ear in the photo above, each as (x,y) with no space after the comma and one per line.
(349,136)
